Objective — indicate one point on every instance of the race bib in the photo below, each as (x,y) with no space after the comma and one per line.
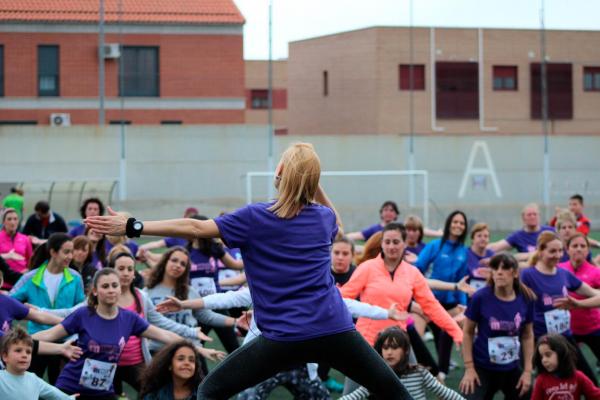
(204,286)
(557,321)
(503,349)
(97,375)
(477,283)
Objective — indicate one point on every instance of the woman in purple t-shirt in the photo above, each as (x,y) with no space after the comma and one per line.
(551,285)
(502,313)
(103,330)
(286,247)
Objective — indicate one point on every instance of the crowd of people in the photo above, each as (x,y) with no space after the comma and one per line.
(307,298)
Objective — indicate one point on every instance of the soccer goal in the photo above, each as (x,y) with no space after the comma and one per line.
(411,187)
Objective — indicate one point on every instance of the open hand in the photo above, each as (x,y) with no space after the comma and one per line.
(203,336)
(469,380)
(397,315)
(71,351)
(211,354)
(112,224)
(172,304)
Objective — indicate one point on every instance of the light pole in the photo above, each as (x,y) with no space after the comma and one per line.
(101,64)
(544,95)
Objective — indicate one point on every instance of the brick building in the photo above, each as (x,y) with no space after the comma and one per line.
(177,61)
(465,81)
(257,93)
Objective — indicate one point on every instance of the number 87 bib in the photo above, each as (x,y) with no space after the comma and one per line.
(97,375)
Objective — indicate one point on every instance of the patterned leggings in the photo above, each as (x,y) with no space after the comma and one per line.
(296,381)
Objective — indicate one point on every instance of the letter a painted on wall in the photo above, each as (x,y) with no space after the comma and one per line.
(487,170)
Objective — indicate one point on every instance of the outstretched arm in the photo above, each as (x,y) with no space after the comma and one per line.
(115,223)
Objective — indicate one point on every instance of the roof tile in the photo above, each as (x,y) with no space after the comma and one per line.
(126,11)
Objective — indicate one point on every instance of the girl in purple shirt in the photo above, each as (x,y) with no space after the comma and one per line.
(103,330)
(286,248)
(502,312)
(551,284)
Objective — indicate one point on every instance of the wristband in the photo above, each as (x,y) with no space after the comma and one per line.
(133,228)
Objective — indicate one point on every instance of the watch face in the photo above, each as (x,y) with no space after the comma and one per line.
(138,226)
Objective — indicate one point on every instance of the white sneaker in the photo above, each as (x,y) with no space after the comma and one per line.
(428,336)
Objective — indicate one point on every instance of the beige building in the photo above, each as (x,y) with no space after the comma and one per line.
(465,81)
(257,95)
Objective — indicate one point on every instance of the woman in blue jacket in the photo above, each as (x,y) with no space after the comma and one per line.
(50,284)
(447,258)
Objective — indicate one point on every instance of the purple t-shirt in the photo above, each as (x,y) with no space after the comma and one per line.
(204,275)
(287,263)
(499,325)
(371,230)
(473,263)
(77,230)
(547,288)
(526,242)
(174,241)
(10,309)
(102,342)
(416,249)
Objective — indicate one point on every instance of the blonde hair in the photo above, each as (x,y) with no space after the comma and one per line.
(479,227)
(542,242)
(530,205)
(413,222)
(299,180)
(565,216)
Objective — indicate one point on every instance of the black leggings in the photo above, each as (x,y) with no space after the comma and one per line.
(54,363)
(422,353)
(593,342)
(497,381)
(443,345)
(262,358)
(130,374)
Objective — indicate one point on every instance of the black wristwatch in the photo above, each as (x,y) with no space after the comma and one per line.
(134,228)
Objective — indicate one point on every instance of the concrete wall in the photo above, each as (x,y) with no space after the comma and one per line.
(171,168)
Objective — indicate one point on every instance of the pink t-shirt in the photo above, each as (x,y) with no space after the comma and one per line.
(21,244)
(584,320)
(132,352)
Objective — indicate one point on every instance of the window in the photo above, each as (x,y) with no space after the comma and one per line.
(505,77)
(325,83)
(418,77)
(591,79)
(48,71)
(171,122)
(559,78)
(138,75)
(259,99)
(119,122)
(1,71)
(457,86)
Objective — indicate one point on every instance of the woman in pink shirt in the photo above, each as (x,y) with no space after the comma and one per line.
(585,322)
(15,248)
(387,279)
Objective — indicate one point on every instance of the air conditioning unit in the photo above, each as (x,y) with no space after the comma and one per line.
(112,50)
(60,120)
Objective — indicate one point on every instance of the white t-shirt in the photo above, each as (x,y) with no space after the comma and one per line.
(52,282)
